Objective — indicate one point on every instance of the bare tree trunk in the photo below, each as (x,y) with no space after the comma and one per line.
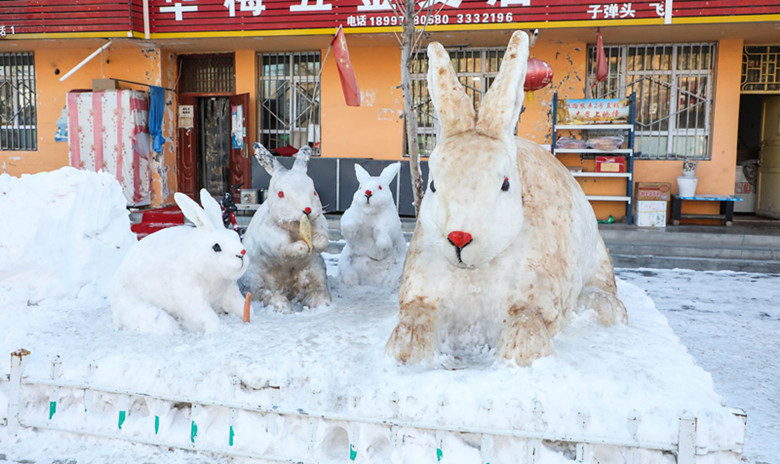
(410,114)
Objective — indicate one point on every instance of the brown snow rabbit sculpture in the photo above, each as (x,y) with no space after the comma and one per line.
(506,244)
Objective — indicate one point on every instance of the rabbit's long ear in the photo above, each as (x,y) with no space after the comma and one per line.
(266,159)
(192,211)
(212,208)
(361,174)
(453,107)
(389,173)
(302,159)
(500,108)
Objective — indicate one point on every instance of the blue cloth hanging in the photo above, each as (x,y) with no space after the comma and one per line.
(156,109)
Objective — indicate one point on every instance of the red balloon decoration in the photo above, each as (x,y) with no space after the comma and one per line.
(538,76)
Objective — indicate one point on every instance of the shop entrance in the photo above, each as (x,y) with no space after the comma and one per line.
(758,146)
(768,193)
(213,151)
(758,156)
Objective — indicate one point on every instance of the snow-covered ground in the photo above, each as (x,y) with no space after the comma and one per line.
(730,322)
(333,360)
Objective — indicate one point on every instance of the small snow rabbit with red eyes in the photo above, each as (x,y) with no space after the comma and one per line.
(181,274)
(506,245)
(375,248)
(285,238)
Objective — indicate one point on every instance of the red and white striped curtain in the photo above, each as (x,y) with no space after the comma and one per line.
(108,131)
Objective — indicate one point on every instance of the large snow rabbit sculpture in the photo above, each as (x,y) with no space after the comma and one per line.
(285,238)
(506,244)
(375,248)
(181,274)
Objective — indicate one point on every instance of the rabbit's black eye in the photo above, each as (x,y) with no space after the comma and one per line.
(505,185)
(216,247)
(433,187)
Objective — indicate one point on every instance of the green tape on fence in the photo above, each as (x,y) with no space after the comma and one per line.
(439,454)
(352,452)
(52,408)
(156,424)
(122,417)
(232,434)
(193,431)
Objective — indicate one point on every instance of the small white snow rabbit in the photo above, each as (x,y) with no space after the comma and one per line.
(375,248)
(285,238)
(506,246)
(181,274)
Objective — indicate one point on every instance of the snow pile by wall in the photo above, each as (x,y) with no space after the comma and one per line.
(63,234)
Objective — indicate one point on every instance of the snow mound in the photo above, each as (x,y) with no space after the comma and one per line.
(620,384)
(63,234)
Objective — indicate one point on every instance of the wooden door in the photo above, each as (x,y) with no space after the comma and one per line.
(240,153)
(187,162)
(768,193)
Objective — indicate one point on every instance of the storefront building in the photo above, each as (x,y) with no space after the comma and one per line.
(706,79)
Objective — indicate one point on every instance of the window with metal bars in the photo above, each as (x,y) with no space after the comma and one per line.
(18,117)
(760,69)
(289,103)
(476,69)
(674,87)
(207,73)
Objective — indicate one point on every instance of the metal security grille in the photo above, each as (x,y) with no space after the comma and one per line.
(673,85)
(476,70)
(18,119)
(761,69)
(289,104)
(207,73)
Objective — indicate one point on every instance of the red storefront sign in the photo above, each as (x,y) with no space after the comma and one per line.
(85,17)
(169,18)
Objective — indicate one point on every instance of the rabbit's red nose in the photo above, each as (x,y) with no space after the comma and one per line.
(369,193)
(243,252)
(307,210)
(459,239)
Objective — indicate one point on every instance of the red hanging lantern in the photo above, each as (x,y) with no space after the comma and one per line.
(538,76)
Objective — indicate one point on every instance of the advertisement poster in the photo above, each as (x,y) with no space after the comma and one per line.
(593,111)
(237,126)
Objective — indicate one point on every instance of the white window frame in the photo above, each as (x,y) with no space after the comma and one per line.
(17,81)
(680,142)
(302,128)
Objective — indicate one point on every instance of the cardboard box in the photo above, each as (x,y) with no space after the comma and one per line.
(103,84)
(651,213)
(653,191)
(610,164)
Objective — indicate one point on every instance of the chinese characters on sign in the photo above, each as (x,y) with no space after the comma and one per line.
(372,13)
(611,11)
(219,16)
(593,111)
(255,6)
(178,9)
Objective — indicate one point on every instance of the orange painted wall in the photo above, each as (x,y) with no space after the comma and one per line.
(567,60)
(375,128)
(246,82)
(130,63)
(51,98)
(164,164)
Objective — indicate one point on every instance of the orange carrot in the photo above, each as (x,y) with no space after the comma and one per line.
(247,304)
